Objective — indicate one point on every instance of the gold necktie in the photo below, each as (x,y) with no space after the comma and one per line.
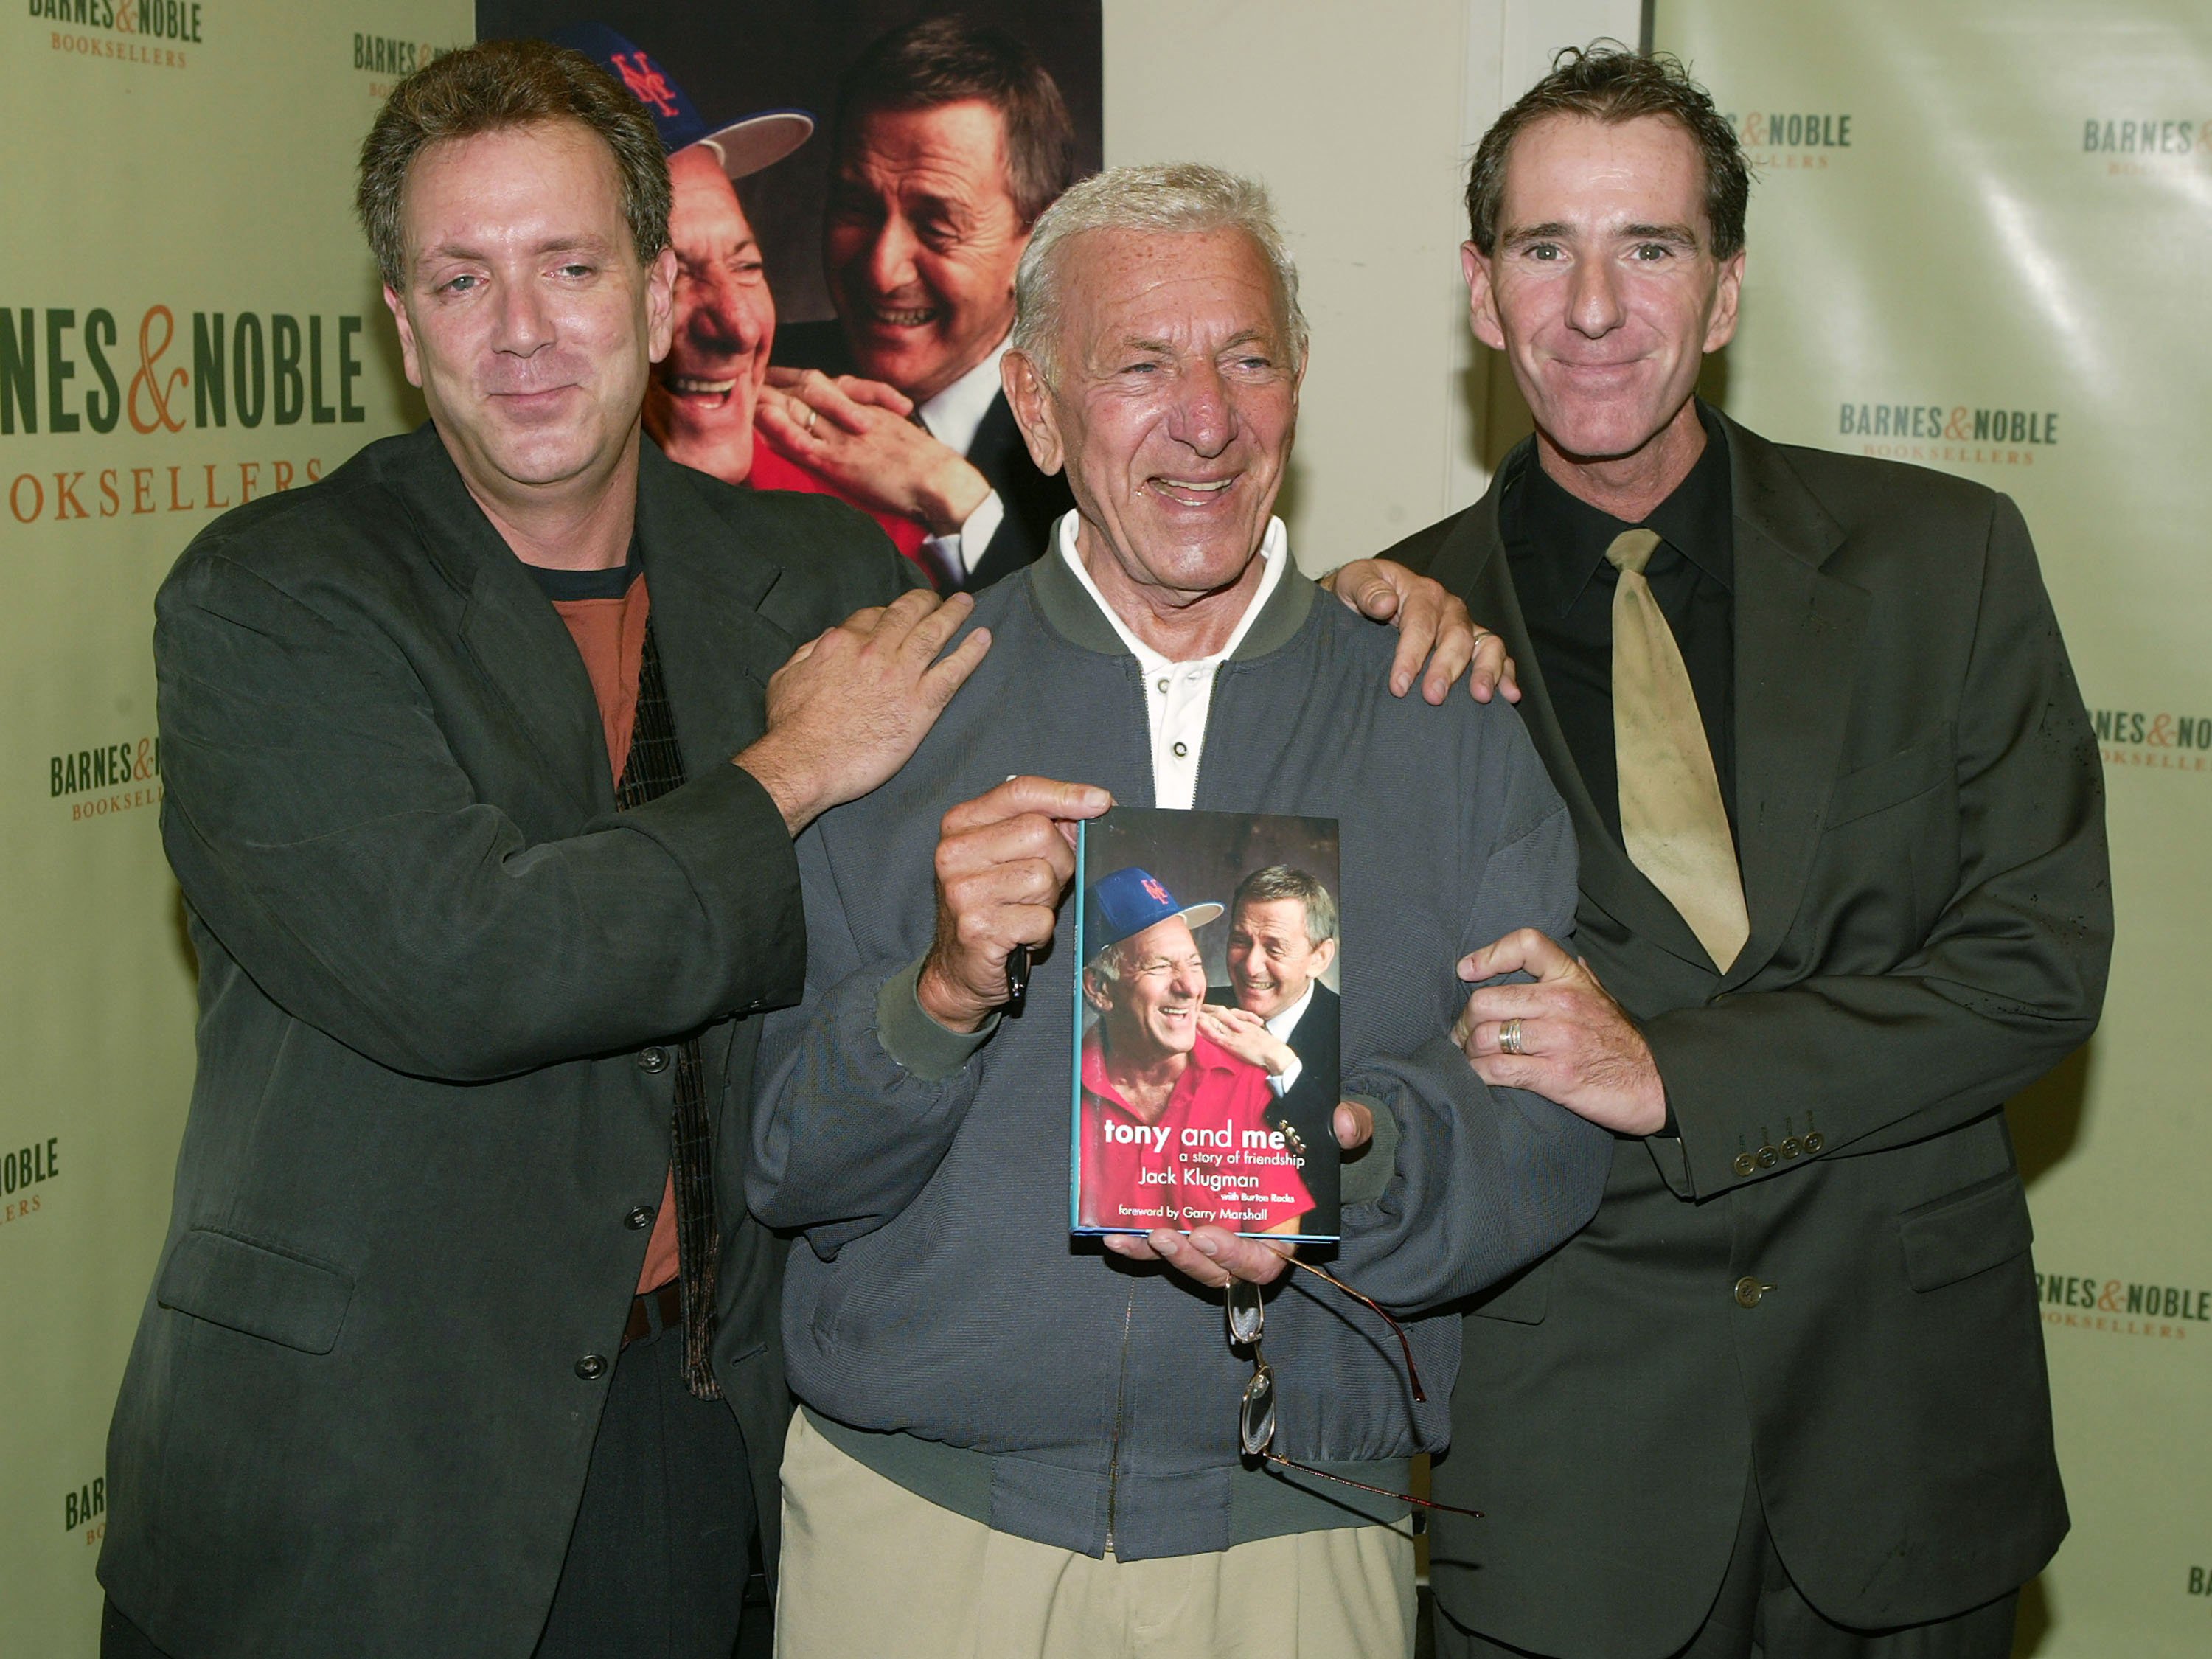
(1672,818)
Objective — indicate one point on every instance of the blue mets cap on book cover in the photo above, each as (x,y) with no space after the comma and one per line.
(745,146)
(1122,904)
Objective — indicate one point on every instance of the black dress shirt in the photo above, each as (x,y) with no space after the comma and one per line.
(1556,544)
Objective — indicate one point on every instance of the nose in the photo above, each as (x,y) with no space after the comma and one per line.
(1190,979)
(728,314)
(1204,414)
(525,321)
(1593,306)
(891,256)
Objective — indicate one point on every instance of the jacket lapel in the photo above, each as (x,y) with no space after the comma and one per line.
(517,639)
(717,650)
(1798,639)
(1472,563)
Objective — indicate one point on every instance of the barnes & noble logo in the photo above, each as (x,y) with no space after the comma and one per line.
(2146,738)
(24,1172)
(71,375)
(147,32)
(83,1505)
(2118,1307)
(2144,143)
(1955,433)
(1791,141)
(392,60)
(118,777)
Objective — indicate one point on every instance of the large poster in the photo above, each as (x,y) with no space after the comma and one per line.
(189,319)
(1978,242)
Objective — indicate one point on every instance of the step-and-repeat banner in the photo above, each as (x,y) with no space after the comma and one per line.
(189,319)
(1981,240)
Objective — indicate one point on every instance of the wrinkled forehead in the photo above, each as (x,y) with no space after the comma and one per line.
(1164,941)
(549,181)
(1578,172)
(960,148)
(1194,291)
(1274,918)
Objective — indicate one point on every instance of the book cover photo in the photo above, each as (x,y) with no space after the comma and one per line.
(1206,1079)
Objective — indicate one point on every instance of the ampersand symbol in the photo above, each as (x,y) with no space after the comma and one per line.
(2162,732)
(1755,128)
(1957,428)
(126,22)
(149,381)
(139,767)
(2109,1300)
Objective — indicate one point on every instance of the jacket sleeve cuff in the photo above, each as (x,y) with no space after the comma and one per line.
(1366,1176)
(915,1042)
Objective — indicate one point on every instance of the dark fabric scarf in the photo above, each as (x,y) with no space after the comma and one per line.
(655,767)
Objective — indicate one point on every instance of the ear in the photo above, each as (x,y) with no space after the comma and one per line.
(1481,298)
(1095,992)
(1324,954)
(1720,329)
(660,305)
(1030,399)
(408,360)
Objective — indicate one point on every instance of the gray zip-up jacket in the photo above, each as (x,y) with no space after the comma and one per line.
(939,1322)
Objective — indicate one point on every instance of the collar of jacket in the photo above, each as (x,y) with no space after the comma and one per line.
(707,581)
(1076,617)
(1797,635)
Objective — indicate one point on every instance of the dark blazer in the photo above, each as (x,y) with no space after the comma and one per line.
(1828,1271)
(431,1118)
(1308,1109)
(1032,500)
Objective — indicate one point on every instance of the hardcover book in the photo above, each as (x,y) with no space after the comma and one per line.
(1206,1067)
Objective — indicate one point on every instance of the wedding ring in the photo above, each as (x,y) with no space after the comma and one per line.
(809,408)
(1509,1038)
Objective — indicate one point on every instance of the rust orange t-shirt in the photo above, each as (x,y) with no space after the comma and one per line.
(605,611)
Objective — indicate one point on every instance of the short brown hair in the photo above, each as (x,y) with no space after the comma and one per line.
(492,86)
(1280,881)
(1607,83)
(949,60)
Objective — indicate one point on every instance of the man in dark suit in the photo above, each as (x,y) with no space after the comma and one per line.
(462,1340)
(1282,938)
(1843,891)
(950,140)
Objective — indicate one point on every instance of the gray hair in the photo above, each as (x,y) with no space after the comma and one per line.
(1165,198)
(1280,881)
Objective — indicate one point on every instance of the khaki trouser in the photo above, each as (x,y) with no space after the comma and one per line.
(872,1571)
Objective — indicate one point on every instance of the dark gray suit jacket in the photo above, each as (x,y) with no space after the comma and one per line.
(358,1413)
(1308,1108)
(1922,823)
(1032,500)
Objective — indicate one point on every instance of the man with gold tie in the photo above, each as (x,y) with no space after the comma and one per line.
(1844,889)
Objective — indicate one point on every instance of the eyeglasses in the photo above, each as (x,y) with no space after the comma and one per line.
(1246,1311)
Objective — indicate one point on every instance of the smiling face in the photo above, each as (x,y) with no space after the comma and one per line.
(1603,291)
(922,242)
(527,320)
(1271,959)
(702,399)
(1172,401)
(1151,1013)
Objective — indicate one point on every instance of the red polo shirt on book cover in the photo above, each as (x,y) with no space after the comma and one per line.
(1212,1157)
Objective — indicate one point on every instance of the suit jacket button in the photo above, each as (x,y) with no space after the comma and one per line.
(638,1219)
(654,1058)
(592,1367)
(1745,1164)
(1748,1291)
(1790,1146)
(1814,1141)
(1768,1157)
